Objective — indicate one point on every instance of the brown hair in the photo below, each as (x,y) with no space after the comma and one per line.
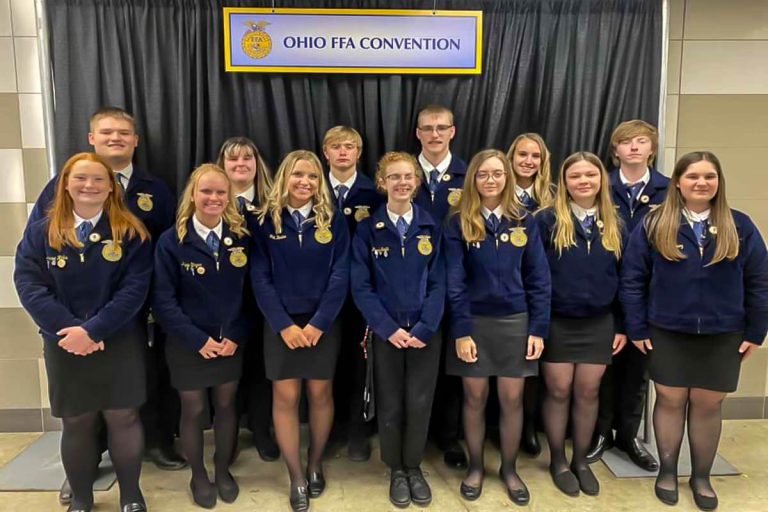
(232,147)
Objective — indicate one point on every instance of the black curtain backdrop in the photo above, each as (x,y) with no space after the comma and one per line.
(568,69)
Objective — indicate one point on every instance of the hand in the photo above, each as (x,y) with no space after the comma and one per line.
(466,350)
(747,348)
(535,348)
(294,337)
(211,349)
(643,346)
(228,349)
(415,342)
(400,339)
(76,341)
(312,334)
(619,340)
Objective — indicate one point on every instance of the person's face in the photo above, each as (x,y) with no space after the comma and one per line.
(582,181)
(634,151)
(400,181)
(211,194)
(342,155)
(435,132)
(699,183)
(526,160)
(491,178)
(113,138)
(88,184)
(241,166)
(303,182)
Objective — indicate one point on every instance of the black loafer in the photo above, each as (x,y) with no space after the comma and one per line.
(519,497)
(399,490)
(227,487)
(666,496)
(134,507)
(566,481)
(166,458)
(587,481)
(204,496)
(267,448)
(299,499)
(65,493)
(470,493)
(530,441)
(315,484)
(703,502)
(638,454)
(599,446)
(421,494)
(454,456)
(359,449)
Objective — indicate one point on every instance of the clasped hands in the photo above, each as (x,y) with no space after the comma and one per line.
(213,349)
(296,337)
(403,339)
(77,341)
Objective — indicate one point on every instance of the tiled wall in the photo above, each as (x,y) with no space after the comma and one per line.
(717,99)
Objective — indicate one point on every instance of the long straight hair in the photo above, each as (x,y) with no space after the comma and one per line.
(278,196)
(663,224)
(186,209)
(233,147)
(543,189)
(470,205)
(564,235)
(61,225)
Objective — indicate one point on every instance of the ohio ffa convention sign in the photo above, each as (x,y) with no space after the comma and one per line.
(352,41)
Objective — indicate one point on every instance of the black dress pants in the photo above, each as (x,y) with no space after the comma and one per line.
(160,414)
(622,394)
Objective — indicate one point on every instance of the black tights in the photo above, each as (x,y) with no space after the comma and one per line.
(582,381)
(510,427)
(703,411)
(224,429)
(80,453)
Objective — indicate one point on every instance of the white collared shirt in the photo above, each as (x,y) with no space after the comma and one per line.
(441,167)
(581,213)
(645,179)
(487,213)
(203,230)
(94,220)
(126,174)
(692,217)
(335,183)
(305,210)
(248,194)
(519,190)
(408,216)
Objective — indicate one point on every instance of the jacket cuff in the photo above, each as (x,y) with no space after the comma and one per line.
(424,333)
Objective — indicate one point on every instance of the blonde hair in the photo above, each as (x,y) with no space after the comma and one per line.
(341,133)
(431,110)
(563,235)
(61,225)
(278,196)
(186,209)
(232,148)
(392,157)
(113,112)
(631,129)
(470,205)
(543,189)
(663,224)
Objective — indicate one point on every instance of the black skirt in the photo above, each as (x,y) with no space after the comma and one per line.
(502,344)
(705,361)
(190,370)
(110,379)
(579,340)
(318,362)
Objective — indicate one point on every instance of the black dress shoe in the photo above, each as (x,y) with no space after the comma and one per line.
(638,454)
(421,494)
(666,496)
(599,446)
(566,481)
(587,481)
(519,497)
(166,458)
(299,499)
(267,448)
(530,441)
(399,490)
(703,502)
(134,507)
(65,493)
(359,449)
(205,495)
(78,508)
(453,455)
(470,493)
(315,484)
(227,487)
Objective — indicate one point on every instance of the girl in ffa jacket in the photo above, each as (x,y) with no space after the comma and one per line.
(398,282)
(202,266)
(695,290)
(530,161)
(498,291)
(582,235)
(300,278)
(82,272)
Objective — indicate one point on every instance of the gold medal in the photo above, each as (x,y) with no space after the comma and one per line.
(94,237)
(61,261)
(237,257)
(200,270)
(145,202)
(504,237)
(227,241)
(424,246)
(323,235)
(644,199)
(112,251)
(361,213)
(446,177)
(518,238)
(347,211)
(454,196)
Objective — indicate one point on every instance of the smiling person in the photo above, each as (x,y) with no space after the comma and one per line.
(582,236)
(695,291)
(499,293)
(83,272)
(398,282)
(202,266)
(300,276)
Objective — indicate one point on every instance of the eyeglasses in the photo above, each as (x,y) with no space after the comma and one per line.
(441,129)
(395,178)
(485,175)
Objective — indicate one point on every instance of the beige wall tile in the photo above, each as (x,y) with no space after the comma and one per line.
(667,161)
(32,123)
(35,172)
(676,14)
(5,18)
(10,127)
(18,335)
(670,121)
(11,176)
(717,121)
(23,16)
(7,65)
(20,382)
(8,296)
(746,177)
(753,375)
(756,209)
(14,217)
(734,19)
(724,67)
(674,58)
(27,66)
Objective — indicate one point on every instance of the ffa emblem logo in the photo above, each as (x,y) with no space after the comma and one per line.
(145,202)
(61,261)
(237,257)
(518,238)
(424,246)
(323,236)
(111,251)
(361,212)
(454,196)
(256,43)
